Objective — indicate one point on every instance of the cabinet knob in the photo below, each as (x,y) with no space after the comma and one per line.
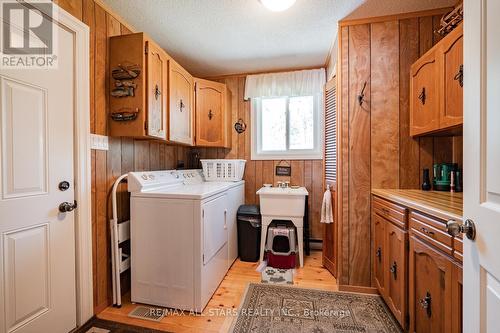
(181,105)
(425,303)
(468,228)
(422,96)
(394,270)
(460,76)
(157,92)
(210,114)
(379,254)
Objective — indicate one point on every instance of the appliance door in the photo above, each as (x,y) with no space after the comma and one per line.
(214,217)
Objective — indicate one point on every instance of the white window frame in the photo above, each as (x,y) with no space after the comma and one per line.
(303,154)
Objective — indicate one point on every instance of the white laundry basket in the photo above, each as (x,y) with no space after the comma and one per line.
(223,170)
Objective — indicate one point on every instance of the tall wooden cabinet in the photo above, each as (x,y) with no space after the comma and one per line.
(212,116)
(181,113)
(436,87)
(416,268)
(138,94)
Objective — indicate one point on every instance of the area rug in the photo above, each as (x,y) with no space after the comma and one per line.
(96,325)
(272,309)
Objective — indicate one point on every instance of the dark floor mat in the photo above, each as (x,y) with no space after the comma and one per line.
(114,327)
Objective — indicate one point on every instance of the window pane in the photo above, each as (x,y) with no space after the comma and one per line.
(273,124)
(302,122)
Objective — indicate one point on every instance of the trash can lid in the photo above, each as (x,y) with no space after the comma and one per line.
(252,210)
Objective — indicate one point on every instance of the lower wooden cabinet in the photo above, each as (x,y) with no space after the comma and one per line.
(416,269)
(379,252)
(395,248)
(430,289)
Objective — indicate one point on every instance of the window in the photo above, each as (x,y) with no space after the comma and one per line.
(287,127)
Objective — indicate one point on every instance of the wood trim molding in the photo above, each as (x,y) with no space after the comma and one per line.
(82,172)
(402,16)
(357,289)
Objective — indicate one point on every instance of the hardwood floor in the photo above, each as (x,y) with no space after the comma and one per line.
(228,296)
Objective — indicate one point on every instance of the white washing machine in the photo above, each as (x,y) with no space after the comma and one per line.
(183,236)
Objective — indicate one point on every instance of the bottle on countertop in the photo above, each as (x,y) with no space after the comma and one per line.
(426,181)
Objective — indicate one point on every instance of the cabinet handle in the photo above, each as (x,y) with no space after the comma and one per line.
(157,92)
(425,303)
(422,96)
(210,114)
(379,254)
(460,76)
(427,232)
(181,106)
(394,270)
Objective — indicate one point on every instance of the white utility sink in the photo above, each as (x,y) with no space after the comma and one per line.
(275,201)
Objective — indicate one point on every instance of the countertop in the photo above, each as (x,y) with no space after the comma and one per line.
(444,205)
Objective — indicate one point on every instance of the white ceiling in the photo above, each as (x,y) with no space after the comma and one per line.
(219,37)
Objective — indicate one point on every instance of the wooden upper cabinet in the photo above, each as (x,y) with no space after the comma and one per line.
(138,81)
(452,108)
(436,80)
(424,94)
(157,92)
(211,114)
(181,112)
(430,289)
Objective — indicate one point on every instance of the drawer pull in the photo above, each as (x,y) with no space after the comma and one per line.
(394,270)
(427,232)
(379,254)
(425,303)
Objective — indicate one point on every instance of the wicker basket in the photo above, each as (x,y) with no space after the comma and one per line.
(223,170)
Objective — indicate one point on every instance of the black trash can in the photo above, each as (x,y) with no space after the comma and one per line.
(249,229)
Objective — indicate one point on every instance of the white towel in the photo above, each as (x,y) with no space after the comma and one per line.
(326,207)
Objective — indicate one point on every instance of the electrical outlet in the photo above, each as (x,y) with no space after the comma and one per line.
(99,142)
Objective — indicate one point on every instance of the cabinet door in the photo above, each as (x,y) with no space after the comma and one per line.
(452,110)
(457,301)
(156,95)
(424,94)
(396,272)
(181,105)
(430,293)
(379,253)
(210,113)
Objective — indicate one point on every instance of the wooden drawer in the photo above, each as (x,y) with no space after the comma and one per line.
(431,230)
(458,245)
(394,213)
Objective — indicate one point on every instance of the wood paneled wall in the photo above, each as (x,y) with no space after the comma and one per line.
(308,173)
(375,149)
(124,154)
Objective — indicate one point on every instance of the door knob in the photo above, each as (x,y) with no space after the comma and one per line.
(468,228)
(67,207)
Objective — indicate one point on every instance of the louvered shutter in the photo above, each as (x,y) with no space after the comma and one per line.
(331,133)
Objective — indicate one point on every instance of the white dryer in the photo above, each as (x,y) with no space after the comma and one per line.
(183,236)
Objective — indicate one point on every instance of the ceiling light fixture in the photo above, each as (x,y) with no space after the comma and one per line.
(277,5)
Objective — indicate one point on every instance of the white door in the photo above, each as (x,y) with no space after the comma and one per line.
(37,242)
(482,165)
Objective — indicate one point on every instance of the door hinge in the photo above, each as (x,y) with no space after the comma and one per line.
(146,48)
